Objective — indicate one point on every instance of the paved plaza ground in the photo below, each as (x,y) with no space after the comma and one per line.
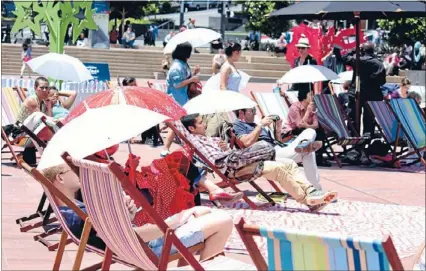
(21,193)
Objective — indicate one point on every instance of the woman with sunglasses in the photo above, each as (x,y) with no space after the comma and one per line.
(304,59)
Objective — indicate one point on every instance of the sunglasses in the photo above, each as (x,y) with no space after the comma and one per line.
(301,48)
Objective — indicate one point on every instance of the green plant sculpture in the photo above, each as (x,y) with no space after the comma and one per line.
(57,15)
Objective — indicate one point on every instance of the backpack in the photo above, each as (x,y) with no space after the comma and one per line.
(256,154)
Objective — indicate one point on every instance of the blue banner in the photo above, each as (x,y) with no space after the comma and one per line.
(99,71)
(101,7)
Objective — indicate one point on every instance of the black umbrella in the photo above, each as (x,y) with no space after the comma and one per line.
(346,10)
(343,10)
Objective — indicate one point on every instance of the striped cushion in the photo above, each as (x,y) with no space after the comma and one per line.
(271,104)
(300,250)
(385,119)
(330,115)
(160,86)
(412,120)
(103,196)
(10,105)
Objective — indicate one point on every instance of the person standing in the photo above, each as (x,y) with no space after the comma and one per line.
(372,76)
(230,78)
(26,56)
(304,59)
(168,38)
(218,61)
(179,80)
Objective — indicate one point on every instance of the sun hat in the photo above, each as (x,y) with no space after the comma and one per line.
(303,42)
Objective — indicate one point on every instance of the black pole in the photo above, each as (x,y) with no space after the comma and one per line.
(182,10)
(356,74)
(222,21)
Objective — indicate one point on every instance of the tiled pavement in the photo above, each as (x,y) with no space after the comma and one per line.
(20,195)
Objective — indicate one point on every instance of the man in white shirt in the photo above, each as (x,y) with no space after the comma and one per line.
(128,38)
(218,61)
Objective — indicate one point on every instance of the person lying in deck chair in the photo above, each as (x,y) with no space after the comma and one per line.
(286,174)
(197,177)
(29,111)
(302,149)
(193,226)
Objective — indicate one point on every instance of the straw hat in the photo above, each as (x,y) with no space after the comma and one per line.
(303,42)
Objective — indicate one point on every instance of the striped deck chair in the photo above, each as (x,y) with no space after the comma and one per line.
(271,104)
(9,111)
(102,190)
(332,118)
(159,86)
(412,121)
(300,250)
(187,139)
(290,97)
(67,236)
(388,127)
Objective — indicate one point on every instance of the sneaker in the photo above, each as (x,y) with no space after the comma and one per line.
(317,208)
(308,147)
(164,153)
(317,197)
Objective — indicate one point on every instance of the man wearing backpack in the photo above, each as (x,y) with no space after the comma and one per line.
(372,76)
(252,163)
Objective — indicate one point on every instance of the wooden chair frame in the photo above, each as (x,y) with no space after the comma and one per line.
(170,237)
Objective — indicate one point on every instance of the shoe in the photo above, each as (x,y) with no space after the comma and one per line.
(164,153)
(277,197)
(317,197)
(317,208)
(307,146)
(225,197)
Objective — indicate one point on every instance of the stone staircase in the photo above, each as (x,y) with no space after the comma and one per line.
(145,62)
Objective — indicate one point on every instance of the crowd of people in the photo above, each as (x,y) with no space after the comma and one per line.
(271,155)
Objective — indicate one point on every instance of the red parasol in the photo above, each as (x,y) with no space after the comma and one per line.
(143,97)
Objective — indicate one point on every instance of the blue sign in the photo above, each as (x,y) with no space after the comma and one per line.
(99,71)
(101,7)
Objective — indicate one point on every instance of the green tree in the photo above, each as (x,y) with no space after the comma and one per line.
(151,9)
(407,30)
(258,20)
(126,9)
(57,15)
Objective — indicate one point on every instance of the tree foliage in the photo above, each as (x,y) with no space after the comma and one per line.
(258,19)
(151,8)
(407,30)
(57,15)
(133,9)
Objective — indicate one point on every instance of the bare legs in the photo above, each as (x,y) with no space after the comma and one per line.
(24,65)
(169,140)
(216,226)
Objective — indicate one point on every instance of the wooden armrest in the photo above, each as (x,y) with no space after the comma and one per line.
(192,249)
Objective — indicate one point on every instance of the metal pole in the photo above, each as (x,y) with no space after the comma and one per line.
(222,21)
(357,80)
(182,10)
